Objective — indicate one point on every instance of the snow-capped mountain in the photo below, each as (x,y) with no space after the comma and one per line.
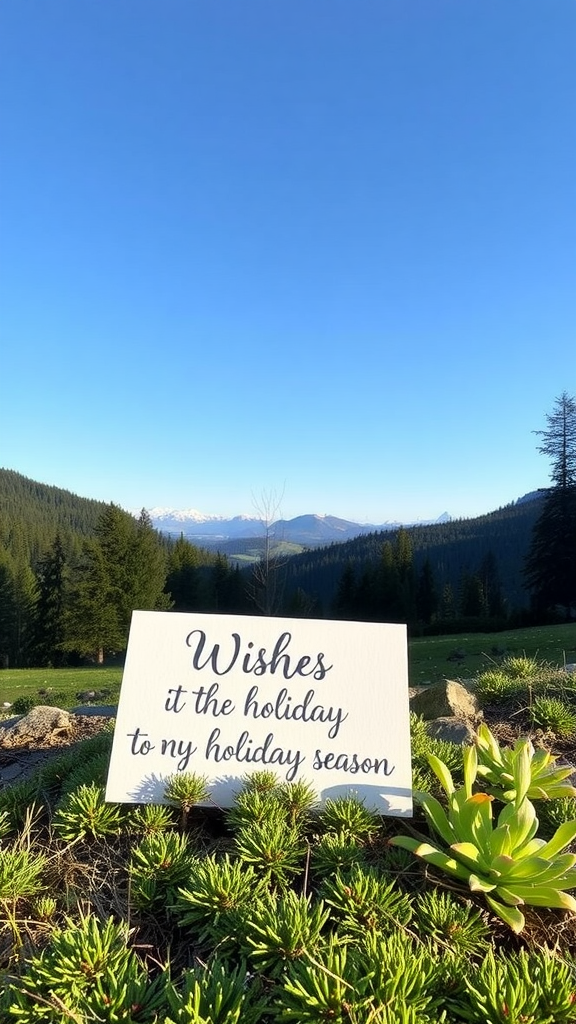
(308,530)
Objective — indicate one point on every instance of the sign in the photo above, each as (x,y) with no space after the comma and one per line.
(227,695)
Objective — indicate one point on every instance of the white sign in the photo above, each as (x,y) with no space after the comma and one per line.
(227,695)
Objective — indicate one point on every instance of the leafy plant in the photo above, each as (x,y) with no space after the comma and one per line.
(284,929)
(365,901)
(22,705)
(555,715)
(185,790)
(296,798)
(214,994)
(84,814)
(536,986)
(500,766)
(20,873)
(150,818)
(349,816)
(517,666)
(506,863)
(87,973)
(272,848)
(337,989)
(214,900)
(335,851)
(160,863)
(402,976)
(254,807)
(453,925)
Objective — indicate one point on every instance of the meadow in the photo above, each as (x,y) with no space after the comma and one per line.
(430,659)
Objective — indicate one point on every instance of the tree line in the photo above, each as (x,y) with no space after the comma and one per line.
(72,571)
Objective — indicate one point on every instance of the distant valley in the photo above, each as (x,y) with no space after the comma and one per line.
(305,531)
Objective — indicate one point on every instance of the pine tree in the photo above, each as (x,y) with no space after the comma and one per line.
(183,579)
(426,594)
(550,568)
(49,625)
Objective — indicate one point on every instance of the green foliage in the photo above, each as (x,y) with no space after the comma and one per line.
(87,973)
(22,705)
(555,715)
(386,980)
(348,815)
(160,863)
(365,902)
(185,790)
(83,814)
(215,994)
(213,903)
(20,873)
(501,766)
(455,927)
(283,929)
(521,667)
(152,818)
(495,687)
(272,848)
(336,851)
(507,863)
(536,987)
(18,800)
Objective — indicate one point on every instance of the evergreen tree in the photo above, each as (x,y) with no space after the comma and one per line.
(183,579)
(345,600)
(92,624)
(49,624)
(122,570)
(7,610)
(426,594)
(550,568)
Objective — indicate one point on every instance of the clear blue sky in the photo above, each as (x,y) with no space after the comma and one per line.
(323,247)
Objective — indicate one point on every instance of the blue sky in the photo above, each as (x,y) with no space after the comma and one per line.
(324,249)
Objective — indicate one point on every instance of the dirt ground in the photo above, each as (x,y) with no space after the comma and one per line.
(19,763)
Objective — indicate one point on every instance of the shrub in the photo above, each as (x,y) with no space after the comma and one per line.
(554,715)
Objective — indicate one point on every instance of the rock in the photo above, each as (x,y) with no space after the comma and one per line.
(570,668)
(446,699)
(454,730)
(42,726)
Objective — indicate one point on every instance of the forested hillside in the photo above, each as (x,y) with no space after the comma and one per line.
(456,554)
(31,514)
(72,570)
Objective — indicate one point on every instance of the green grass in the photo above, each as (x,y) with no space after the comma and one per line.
(26,682)
(428,656)
(427,659)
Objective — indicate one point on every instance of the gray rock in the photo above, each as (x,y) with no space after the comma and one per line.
(42,724)
(455,730)
(444,700)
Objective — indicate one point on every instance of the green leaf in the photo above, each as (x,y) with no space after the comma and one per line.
(563,835)
(442,773)
(543,896)
(436,815)
(470,856)
(510,915)
(478,884)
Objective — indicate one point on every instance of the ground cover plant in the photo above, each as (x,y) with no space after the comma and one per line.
(276,910)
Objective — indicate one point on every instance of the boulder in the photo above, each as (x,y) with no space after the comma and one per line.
(447,699)
(42,726)
(454,730)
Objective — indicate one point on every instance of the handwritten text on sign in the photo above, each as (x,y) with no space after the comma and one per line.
(226,695)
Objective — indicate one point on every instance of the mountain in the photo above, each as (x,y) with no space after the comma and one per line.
(305,530)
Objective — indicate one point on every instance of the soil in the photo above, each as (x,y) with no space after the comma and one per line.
(18,763)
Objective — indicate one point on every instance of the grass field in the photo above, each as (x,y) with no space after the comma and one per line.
(436,657)
(430,659)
